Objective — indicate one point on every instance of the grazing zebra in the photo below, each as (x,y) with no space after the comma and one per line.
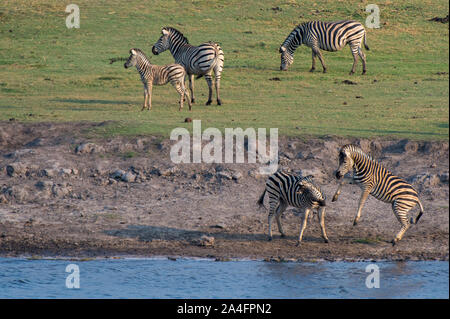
(328,36)
(378,182)
(199,60)
(157,75)
(301,192)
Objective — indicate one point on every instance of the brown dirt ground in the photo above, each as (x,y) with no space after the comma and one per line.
(57,202)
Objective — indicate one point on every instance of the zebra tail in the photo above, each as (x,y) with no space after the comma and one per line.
(365,44)
(420,213)
(260,201)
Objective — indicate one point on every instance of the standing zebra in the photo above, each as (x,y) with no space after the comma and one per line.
(157,75)
(328,36)
(301,192)
(378,182)
(199,60)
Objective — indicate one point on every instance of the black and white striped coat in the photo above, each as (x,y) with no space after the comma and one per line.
(291,190)
(200,60)
(328,36)
(377,181)
(157,75)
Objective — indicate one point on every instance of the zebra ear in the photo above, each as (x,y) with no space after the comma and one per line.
(282,49)
(132,52)
(164,32)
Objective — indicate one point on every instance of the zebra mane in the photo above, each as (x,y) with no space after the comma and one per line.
(142,54)
(356,149)
(176,32)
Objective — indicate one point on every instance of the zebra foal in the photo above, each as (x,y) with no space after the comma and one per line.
(291,190)
(157,75)
(200,60)
(328,36)
(377,181)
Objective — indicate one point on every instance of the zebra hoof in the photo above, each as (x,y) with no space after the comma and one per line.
(208,102)
(363,72)
(298,244)
(351,73)
(283,236)
(312,70)
(219,102)
(192,100)
(326,240)
(324,70)
(269,239)
(393,242)
(355,223)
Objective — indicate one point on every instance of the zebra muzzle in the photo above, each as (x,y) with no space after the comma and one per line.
(154,51)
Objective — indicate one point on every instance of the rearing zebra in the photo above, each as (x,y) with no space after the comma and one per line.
(199,60)
(378,182)
(301,192)
(328,36)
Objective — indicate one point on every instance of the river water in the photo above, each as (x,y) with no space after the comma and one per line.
(201,278)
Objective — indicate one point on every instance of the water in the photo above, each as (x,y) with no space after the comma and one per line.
(193,278)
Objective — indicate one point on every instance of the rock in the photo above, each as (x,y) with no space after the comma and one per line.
(44,185)
(170,171)
(444,178)
(16,169)
(49,172)
(87,148)
(220,226)
(34,143)
(224,175)
(117,174)
(205,241)
(426,180)
(129,177)
(61,190)
(237,176)
(16,192)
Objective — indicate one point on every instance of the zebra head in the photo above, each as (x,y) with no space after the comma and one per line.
(170,37)
(132,59)
(309,190)
(346,161)
(286,58)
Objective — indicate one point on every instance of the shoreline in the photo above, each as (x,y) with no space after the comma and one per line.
(65,195)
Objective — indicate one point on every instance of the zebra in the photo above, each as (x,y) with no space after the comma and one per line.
(377,181)
(157,75)
(199,60)
(300,192)
(328,36)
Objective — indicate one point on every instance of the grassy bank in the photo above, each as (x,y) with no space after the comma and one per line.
(51,73)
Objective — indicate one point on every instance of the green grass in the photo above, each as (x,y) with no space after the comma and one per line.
(60,74)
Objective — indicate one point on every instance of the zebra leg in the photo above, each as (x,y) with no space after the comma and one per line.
(363,59)
(355,59)
(313,66)
(208,79)
(338,190)
(145,97)
(362,200)
(149,98)
(281,208)
(322,223)
(305,220)
(402,217)
(317,52)
(191,87)
(217,75)
(180,89)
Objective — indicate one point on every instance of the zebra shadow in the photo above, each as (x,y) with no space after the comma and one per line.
(148,233)
(90,101)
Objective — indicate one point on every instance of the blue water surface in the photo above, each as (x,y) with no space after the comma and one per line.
(197,278)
